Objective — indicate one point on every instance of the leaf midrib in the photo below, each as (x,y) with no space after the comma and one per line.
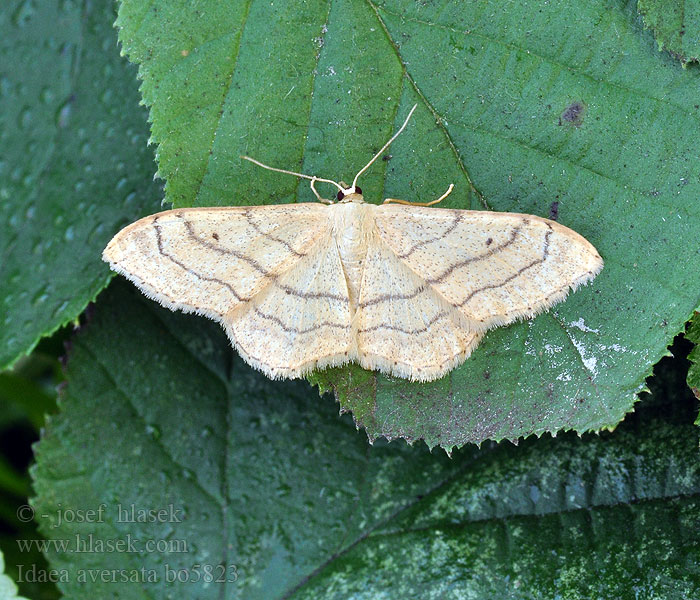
(431,527)
(378,524)
(237,51)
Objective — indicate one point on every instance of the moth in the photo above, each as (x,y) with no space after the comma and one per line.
(403,288)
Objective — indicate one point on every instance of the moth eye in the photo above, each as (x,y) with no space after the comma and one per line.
(340,195)
(358,190)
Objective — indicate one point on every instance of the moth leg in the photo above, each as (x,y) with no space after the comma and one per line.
(318,196)
(409,203)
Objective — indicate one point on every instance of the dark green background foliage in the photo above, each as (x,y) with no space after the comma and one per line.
(27,393)
(527,107)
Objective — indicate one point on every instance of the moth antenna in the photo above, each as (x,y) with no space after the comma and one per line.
(378,154)
(318,196)
(311,177)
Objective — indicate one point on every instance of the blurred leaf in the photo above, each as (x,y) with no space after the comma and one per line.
(22,397)
(535,108)
(265,476)
(27,394)
(676,26)
(8,589)
(28,569)
(11,482)
(74,165)
(24,401)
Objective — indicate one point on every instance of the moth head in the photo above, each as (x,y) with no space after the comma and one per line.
(351,194)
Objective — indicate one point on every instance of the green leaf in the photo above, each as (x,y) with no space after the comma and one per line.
(676,26)
(159,413)
(693,335)
(541,112)
(8,589)
(74,165)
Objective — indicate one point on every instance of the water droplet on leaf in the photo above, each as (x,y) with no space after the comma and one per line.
(24,12)
(153,431)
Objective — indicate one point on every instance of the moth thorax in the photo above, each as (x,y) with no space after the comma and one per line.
(352,228)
